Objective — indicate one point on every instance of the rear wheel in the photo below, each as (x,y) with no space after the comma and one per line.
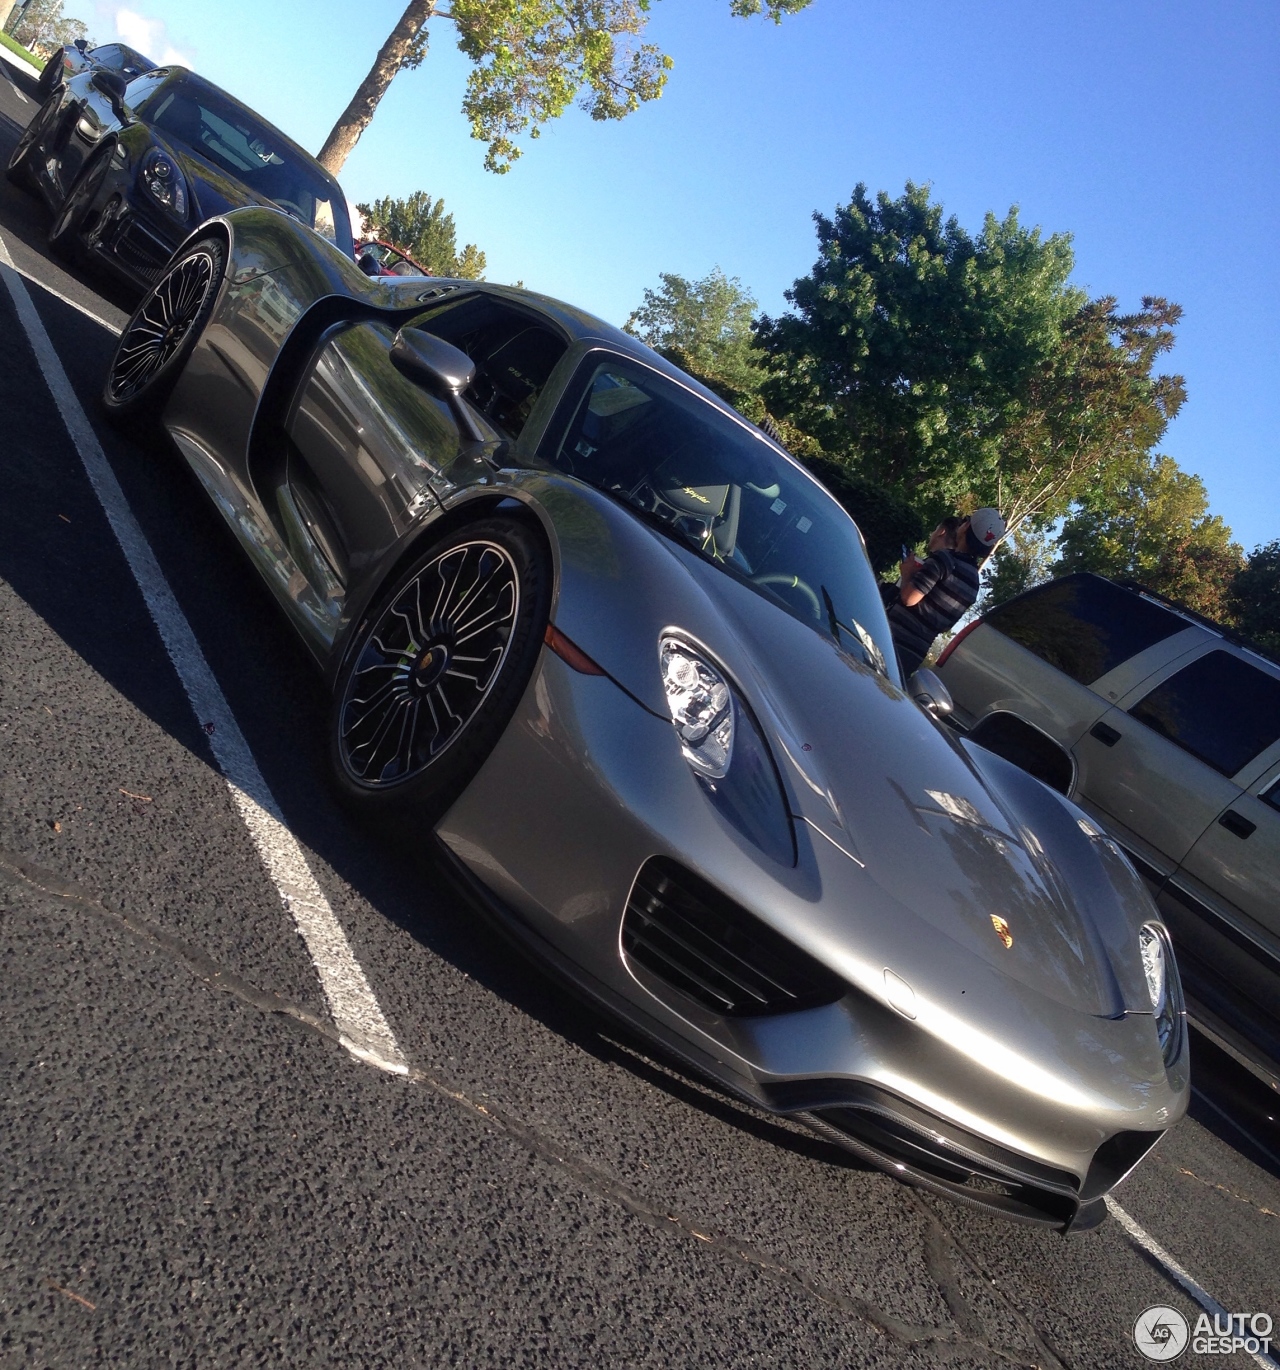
(66,233)
(435,670)
(158,339)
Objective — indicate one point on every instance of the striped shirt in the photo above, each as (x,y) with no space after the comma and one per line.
(949,583)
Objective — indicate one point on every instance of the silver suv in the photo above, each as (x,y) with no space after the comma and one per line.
(1166,731)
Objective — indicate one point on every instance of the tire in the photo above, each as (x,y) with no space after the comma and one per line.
(413,716)
(159,337)
(50,79)
(21,166)
(66,233)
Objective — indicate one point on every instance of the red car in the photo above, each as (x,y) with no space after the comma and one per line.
(377,258)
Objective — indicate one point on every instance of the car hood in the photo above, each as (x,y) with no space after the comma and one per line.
(965,842)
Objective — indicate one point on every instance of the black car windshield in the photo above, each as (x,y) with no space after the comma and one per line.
(227,135)
(723,490)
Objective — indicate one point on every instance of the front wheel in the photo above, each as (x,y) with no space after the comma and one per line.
(22,160)
(66,233)
(158,339)
(435,670)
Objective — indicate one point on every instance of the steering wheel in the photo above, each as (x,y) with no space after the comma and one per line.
(780,580)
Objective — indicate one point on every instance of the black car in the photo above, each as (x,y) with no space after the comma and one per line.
(131,168)
(68,62)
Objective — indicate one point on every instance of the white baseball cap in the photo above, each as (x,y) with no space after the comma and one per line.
(986,527)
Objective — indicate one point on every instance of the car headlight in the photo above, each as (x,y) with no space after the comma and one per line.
(1163,987)
(725,749)
(165,182)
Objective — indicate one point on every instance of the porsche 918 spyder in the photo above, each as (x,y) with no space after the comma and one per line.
(624,660)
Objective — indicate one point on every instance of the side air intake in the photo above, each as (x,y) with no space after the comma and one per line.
(686,932)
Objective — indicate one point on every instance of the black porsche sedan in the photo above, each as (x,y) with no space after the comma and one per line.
(129,168)
(70,61)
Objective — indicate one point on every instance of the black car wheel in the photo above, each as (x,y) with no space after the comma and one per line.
(51,77)
(436,668)
(21,166)
(164,328)
(77,213)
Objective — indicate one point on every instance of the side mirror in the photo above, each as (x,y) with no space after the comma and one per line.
(82,44)
(930,693)
(109,83)
(442,369)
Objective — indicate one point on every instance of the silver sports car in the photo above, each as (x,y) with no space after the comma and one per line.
(625,659)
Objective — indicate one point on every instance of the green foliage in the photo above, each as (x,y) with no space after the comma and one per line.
(886,522)
(419,226)
(532,58)
(956,370)
(45,26)
(704,327)
(22,52)
(1023,560)
(1254,598)
(1154,526)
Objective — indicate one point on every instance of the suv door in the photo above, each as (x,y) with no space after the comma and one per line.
(1168,760)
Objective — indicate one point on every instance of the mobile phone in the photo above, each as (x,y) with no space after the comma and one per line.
(906,555)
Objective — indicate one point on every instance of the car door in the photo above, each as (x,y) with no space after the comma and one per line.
(1167,760)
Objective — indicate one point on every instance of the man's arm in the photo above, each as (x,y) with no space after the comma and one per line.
(918,578)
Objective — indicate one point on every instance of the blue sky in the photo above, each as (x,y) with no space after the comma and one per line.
(1146,130)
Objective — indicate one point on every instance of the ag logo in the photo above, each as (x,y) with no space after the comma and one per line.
(1161,1333)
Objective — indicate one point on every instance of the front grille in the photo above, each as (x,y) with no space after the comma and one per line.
(140,250)
(957,1161)
(689,934)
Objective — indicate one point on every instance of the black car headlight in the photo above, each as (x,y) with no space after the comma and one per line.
(164,181)
(1163,987)
(724,748)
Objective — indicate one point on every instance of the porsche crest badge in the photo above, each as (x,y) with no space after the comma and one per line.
(1002,930)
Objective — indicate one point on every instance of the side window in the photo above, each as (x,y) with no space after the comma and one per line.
(514,355)
(1084,625)
(110,57)
(143,87)
(1272,796)
(1220,709)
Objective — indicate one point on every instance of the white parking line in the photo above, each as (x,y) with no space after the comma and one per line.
(356,1013)
(1196,1290)
(114,329)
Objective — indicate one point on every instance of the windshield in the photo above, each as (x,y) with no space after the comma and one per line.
(722,489)
(256,155)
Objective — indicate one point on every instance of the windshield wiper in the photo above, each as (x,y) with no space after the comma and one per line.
(870,648)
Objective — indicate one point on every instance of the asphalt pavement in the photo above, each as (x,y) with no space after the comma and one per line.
(195,1171)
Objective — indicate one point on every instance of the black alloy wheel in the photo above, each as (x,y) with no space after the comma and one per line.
(77,213)
(435,670)
(164,328)
(22,160)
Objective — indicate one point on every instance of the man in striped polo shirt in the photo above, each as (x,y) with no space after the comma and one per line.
(934,594)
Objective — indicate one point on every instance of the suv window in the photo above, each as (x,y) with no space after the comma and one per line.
(1220,709)
(1084,625)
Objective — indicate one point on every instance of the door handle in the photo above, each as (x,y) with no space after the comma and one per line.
(1237,823)
(1105,734)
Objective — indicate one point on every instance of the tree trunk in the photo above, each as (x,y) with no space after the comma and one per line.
(355,118)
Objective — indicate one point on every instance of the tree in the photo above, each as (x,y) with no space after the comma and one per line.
(1023,560)
(530,60)
(419,226)
(1254,598)
(957,371)
(1155,527)
(43,25)
(704,327)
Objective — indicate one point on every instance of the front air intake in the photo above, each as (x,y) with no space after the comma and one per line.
(693,937)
